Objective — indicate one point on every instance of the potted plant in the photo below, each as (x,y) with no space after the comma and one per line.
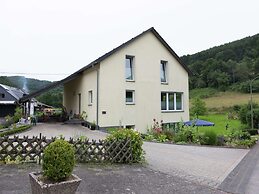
(93,125)
(56,176)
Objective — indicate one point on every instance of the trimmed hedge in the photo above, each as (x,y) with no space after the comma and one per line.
(58,160)
(15,130)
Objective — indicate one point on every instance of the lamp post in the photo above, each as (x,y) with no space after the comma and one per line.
(251,101)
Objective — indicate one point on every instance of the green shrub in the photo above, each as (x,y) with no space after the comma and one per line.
(149,137)
(198,107)
(136,141)
(253,132)
(112,129)
(237,134)
(162,138)
(8,121)
(17,115)
(58,160)
(247,143)
(15,130)
(221,140)
(169,134)
(210,138)
(186,134)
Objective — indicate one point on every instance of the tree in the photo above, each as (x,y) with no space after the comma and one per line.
(245,114)
(198,107)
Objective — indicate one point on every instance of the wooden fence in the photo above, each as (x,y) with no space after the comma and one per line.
(31,149)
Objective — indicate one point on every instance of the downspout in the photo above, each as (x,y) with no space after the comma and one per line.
(97,99)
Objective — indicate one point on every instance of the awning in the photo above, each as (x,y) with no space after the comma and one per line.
(198,122)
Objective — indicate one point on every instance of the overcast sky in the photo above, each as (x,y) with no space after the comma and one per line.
(58,37)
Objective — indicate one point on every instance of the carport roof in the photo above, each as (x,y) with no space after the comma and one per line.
(97,61)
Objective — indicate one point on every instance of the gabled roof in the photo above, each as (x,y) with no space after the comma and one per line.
(15,92)
(103,57)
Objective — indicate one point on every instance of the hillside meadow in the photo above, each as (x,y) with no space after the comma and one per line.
(227,99)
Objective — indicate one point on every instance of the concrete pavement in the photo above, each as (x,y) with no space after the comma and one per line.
(204,165)
(245,177)
(107,179)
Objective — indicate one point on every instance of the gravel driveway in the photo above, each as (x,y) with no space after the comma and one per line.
(204,165)
(66,130)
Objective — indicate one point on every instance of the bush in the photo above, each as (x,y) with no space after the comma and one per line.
(136,141)
(169,134)
(253,132)
(17,115)
(221,140)
(8,121)
(58,160)
(186,134)
(198,107)
(247,143)
(210,138)
(15,130)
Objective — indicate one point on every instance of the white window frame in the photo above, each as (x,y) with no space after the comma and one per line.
(133,97)
(165,71)
(175,105)
(90,97)
(132,68)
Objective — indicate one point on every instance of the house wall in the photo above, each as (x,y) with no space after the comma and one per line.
(6,109)
(81,85)
(7,96)
(148,53)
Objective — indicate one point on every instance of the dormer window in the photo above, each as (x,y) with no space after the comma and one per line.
(163,67)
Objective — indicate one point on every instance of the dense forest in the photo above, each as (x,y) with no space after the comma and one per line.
(227,67)
(53,97)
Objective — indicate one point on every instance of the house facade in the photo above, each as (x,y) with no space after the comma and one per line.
(141,80)
(9,97)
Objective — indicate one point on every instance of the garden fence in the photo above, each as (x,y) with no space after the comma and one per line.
(31,149)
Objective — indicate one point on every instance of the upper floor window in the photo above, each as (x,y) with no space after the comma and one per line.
(3,95)
(90,97)
(129,68)
(171,101)
(163,71)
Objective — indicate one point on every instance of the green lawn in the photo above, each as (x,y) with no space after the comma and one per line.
(220,121)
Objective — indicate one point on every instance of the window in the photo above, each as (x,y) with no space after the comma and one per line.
(171,101)
(90,97)
(130,97)
(163,71)
(3,95)
(129,68)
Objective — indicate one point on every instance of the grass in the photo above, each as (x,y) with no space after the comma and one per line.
(227,99)
(203,92)
(220,121)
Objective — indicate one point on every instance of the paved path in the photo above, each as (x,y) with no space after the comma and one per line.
(107,179)
(245,177)
(66,130)
(205,165)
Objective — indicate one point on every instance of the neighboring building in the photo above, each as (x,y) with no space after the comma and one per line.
(9,97)
(141,80)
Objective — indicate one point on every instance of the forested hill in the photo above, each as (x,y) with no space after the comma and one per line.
(53,97)
(28,84)
(229,66)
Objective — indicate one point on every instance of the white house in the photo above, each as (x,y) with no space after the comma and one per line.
(141,80)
